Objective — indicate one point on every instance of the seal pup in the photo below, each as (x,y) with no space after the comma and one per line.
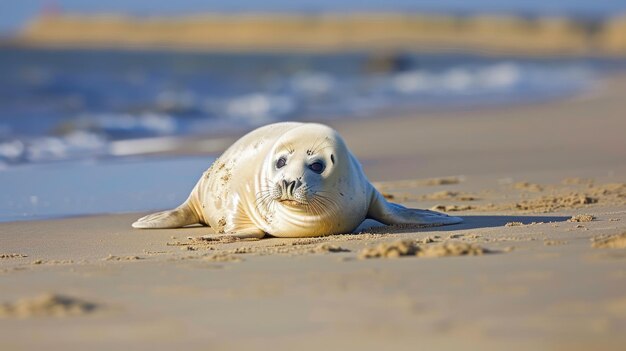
(287,179)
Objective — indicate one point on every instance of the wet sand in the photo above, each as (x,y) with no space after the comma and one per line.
(537,264)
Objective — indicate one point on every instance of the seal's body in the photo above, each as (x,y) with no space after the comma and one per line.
(287,180)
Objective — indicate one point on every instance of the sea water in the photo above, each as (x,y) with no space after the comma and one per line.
(62,112)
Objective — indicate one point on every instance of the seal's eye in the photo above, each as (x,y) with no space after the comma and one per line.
(281,162)
(317,167)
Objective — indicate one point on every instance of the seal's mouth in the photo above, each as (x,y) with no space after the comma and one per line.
(290,202)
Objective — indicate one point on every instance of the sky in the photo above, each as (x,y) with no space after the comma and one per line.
(15,13)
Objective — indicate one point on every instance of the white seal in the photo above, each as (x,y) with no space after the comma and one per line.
(287,180)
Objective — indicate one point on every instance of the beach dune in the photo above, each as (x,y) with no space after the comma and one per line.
(495,34)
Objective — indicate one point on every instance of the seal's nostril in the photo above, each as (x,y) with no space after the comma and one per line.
(291,187)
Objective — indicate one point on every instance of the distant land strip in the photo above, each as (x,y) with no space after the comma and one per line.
(491,34)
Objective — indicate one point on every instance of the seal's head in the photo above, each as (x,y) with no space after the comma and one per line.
(303,168)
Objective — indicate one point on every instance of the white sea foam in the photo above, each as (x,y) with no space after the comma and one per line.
(84,140)
(11,150)
(412,82)
(498,78)
(151,122)
(88,140)
(312,83)
(73,145)
(46,149)
(254,108)
(458,80)
(176,100)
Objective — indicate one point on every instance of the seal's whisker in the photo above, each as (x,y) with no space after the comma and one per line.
(328,202)
(313,146)
(318,147)
(322,148)
(263,198)
(316,209)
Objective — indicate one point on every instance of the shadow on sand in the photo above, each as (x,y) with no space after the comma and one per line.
(469,222)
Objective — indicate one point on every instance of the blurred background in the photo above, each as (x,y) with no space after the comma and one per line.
(89,89)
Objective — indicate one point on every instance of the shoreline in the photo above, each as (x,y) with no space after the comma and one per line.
(156,151)
(151,152)
(15,44)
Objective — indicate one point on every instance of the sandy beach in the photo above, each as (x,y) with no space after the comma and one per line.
(538,264)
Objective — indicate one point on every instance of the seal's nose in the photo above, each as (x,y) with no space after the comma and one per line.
(291,186)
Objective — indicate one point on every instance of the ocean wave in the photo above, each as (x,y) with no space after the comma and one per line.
(62,110)
(77,144)
(500,78)
(89,139)
(312,83)
(177,101)
(256,108)
(155,123)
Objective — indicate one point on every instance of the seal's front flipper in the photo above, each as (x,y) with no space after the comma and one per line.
(176,218)
(390,213)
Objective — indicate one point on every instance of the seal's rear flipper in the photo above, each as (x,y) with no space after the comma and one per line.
(390,213)
(176,218)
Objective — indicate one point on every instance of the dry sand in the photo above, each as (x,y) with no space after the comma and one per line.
(539,262)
